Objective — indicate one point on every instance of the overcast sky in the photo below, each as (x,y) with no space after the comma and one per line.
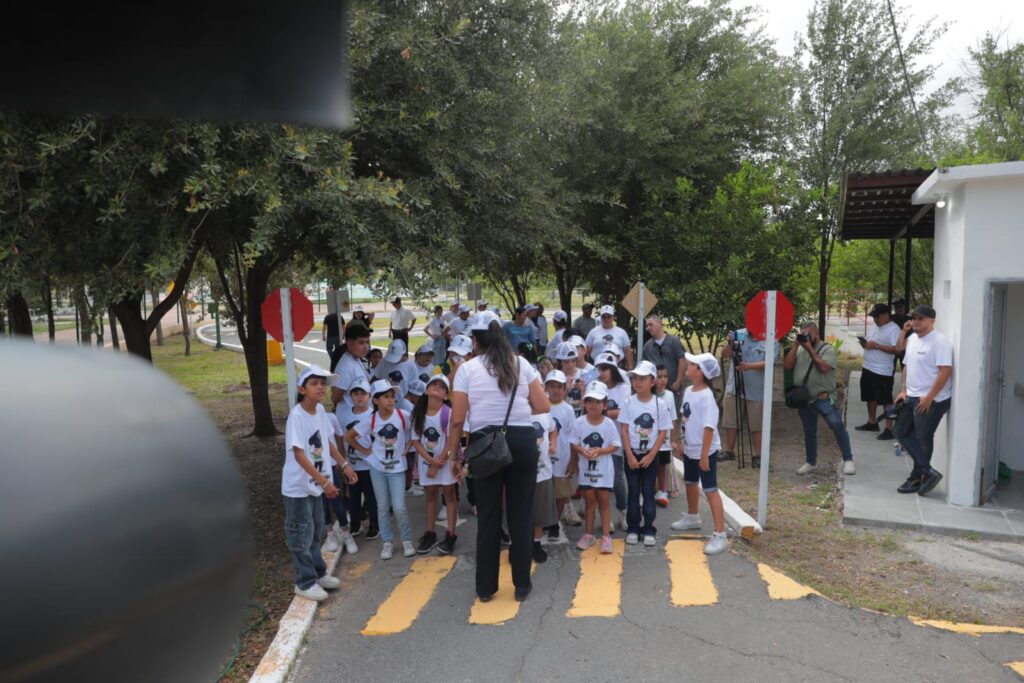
(970,20)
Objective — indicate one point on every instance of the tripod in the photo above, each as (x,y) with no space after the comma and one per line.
(744,438)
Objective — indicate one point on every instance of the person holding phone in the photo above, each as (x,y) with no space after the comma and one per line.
(876,379)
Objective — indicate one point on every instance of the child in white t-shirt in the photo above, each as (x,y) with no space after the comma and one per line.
(430,439)
(310,452)
(594,439)
(608,372)
(388,431)
(544,493)
(338,534)
(671,445)
(701,444)
(564,419)
(349,416)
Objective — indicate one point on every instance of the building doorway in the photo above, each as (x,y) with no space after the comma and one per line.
(1002,473)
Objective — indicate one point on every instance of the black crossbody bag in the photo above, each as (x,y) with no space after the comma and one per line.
(798,395)
(488,452)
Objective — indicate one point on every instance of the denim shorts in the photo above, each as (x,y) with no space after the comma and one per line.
(692,473)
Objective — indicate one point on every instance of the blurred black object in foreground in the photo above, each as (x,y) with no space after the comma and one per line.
(124,529)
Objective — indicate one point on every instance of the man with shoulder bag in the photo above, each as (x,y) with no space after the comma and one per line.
(813,393)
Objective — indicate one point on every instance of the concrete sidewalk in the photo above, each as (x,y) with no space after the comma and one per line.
(870,497)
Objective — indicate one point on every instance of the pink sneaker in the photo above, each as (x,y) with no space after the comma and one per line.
(606,545)
(586,540)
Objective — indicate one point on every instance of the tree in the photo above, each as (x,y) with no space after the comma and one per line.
(853,110)
(999,76)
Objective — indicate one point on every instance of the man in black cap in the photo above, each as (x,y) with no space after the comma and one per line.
(879,365)
(924,398)
(586,322)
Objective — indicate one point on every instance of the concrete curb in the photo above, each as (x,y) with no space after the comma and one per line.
(742,524)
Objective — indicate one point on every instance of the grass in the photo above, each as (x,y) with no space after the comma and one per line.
(58,325)
(208,374)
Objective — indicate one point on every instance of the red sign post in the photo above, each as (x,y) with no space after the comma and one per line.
(287,316)
(757,315)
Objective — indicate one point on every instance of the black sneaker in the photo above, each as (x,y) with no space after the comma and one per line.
(755,461)
(867,427)
(911,485)
(522,592)
(928,482)
(372,533)
(540,556)
(447,546)
(553,533)
(357,531)
(428,541)
(886,435)
(724,456)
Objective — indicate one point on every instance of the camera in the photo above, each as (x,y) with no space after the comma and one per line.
(802,338)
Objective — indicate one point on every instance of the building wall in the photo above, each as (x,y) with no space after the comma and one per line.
(1011,450)
(978,241)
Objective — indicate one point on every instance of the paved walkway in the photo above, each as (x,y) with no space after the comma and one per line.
(870,497)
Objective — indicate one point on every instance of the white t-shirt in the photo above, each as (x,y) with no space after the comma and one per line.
(542,427)
(880,362)
(574,389)
(348,419)
(312,434)
(645,419)
(400,374)
(390,441)
(487,405)
(542,330)
(923,357)
(698,412)
(670,398)
(424,372)
(556,339)
(563,419)
(435,327)
(401,319)
(449,316)
(599,337)
(434,439)
(600,472)
(458,326)
(349,370)
(618,396)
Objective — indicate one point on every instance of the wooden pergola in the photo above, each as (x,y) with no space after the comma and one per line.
(877,206)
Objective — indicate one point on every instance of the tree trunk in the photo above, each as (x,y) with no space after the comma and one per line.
(18,314)
(136,331)
(159,325)
(113,329)
(98,326)
(255,345)
(84,319)
(51,325)
(823,267)
(184,326)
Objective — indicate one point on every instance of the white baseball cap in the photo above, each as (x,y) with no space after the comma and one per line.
(317,371)
(417,387)
(359,309)
(606,310)
(463,308)
(359,383)
(480,303)
(529,307)
(555,376)
(566,351)
(644,368)
(598,390)
(396,349)
(606,359)
(440,378)
(707,362)
(461,345)
(613,348)
(381,386)
(426,348)
(559,316)
(482,320)
(577,340)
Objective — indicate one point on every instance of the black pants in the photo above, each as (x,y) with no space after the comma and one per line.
(403,335)
(516,483)
(356,493)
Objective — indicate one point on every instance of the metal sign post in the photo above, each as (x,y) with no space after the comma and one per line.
(289,342)
(766,419)
(640,326)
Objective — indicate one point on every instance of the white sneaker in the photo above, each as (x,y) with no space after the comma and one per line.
(407,549)
(571,516)
(442,514)
(849,467)
(649,540)
(718,543)
(387,550)
(314,592)
(332,542)
(350,543)
(622,520)
(416,490)
(806,468)
(687,521)
(329,582)
(661,498)
(632,539)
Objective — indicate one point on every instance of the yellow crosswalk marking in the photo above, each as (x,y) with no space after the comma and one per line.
(691,578)
(503,606)
(599,589)
(781,587)
(969,629)
(409,597)
(1017,668)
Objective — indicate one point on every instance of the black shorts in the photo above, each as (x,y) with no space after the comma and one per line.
(664,457)
(875,387)
(692,473)
(584,487)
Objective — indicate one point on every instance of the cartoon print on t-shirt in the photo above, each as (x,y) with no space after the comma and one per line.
(686,411)
(431,437)
(558,430)
(395,377)
(424,377)
(389,433)
(644,422)
(316,449)
(608,339)
(593,440)
(353,454)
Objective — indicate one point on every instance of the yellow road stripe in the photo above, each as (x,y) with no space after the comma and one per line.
(503,605)
(1017,668)
(969,629)
(599,589)
(781,587)
(691,578)
(409,597)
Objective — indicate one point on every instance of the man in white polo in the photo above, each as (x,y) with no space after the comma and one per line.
(402,321)
(925,397)
(606,333)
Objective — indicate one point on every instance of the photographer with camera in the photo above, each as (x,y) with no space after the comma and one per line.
(742,407)
(814,367)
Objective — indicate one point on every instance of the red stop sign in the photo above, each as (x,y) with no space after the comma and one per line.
(757,315)
(302,315)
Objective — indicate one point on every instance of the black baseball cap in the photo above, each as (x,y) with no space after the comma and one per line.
(923,312)
(879,309)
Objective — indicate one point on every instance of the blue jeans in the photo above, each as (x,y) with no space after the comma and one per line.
(389,488)
(916,432)
(337,504)
(809,416)
(303,533)
(621,497)
(642,482)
